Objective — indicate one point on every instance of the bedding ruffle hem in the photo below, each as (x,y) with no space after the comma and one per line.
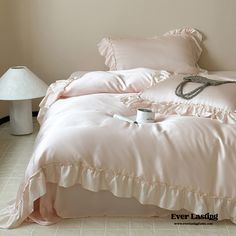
(135,102)
(155,193)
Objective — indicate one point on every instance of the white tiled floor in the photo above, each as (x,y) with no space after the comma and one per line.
(15,152)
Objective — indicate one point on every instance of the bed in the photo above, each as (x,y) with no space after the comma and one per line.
(87,163)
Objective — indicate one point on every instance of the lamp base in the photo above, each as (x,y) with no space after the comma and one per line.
(21,121)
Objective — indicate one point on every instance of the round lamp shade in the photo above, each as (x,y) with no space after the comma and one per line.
(19,83)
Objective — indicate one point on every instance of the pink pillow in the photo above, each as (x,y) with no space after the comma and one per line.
(215,102)
(176,51)
(127,81)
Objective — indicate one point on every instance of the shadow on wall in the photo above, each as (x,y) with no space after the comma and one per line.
(208,60)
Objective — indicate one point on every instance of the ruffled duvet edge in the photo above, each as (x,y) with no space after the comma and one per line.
(155,193)
(182,109)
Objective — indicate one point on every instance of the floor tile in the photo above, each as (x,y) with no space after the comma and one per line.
(70,223)
(3,147)
(166,232)
(10,158)
(217,228)
(12,185)
(38,227)
(220,230)
(3,181)
(93,223)
(2,233)
(117,232)
(3,203)
(67,232)
(161,223)
(92,232)
(18,232)
(216,233)
(25,227)
(117,223)
(43,232)
(137,223)
(7,196)
(232,230)
(191,233)
(191,226)
(230,225)
(141,232)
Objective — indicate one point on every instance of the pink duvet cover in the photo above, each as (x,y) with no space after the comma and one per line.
(177,163)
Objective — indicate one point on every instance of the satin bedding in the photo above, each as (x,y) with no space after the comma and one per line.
(177,163)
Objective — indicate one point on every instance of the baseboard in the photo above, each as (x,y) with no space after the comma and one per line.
(7,118)
(35,113)
(4,120)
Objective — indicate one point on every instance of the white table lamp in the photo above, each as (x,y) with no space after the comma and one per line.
(19,85)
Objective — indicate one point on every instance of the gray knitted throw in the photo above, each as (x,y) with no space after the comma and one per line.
(197,79)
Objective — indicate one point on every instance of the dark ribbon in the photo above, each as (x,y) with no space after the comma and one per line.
(197,79)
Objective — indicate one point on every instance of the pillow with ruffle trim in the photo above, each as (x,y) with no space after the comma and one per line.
(215,102)
(176,51)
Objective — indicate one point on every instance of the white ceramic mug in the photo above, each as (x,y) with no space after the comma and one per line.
(145,116)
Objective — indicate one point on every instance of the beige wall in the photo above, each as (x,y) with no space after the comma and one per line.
(7,44)
(57,37)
